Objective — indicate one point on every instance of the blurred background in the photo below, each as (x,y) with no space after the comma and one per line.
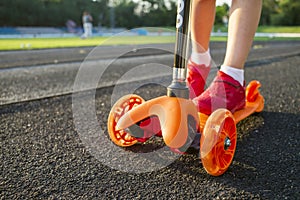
(65,15)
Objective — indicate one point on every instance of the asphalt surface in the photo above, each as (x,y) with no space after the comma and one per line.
(45,156)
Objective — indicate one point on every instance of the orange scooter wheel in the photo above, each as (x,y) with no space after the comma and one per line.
(123,105)
(218,142)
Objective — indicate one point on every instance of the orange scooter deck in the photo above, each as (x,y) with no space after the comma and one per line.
(254,102)
(250,108)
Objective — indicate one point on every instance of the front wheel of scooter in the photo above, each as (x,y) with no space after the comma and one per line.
(123,105)
(218,142)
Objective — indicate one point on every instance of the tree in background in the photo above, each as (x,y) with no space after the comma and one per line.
(280,12)
(19,12)
(125,16)
(287,13)
(159,13)
(127,13)
(48,12)
(145,13)
(221,11)
(269,10)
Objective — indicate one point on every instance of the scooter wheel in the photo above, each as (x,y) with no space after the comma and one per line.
(123,105)
(218,142)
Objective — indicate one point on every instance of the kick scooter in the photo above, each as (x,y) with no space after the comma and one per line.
(177,115)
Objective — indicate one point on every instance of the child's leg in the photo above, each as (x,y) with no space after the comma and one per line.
(227,89)
(243,22)
(202,20)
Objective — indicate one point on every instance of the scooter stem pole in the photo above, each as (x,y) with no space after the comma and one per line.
(178,87)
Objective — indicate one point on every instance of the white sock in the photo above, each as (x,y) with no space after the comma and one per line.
(236,74)
(201,58)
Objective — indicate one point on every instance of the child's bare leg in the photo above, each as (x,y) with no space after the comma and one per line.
(227,91)
(202,21)
(243,22)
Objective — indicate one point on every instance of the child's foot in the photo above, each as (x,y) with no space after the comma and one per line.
(196,78)
(224,92)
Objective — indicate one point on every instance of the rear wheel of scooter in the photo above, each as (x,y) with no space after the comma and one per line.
(218,142)
(123,105)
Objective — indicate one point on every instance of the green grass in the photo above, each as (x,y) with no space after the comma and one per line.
(266,29)
(279,29)
(43,43)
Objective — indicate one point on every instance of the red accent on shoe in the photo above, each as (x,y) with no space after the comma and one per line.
(196,78)
(224,92)
(150,126)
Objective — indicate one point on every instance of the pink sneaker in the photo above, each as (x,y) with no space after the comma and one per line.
(196,78)
(224,92)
